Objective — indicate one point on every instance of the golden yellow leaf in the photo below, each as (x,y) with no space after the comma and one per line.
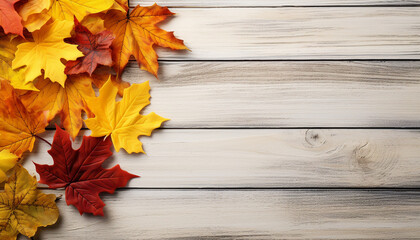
(18,125)
(7,54)
(94,23)
(68,102)
(122,120)
(34,13)
(68,9)
(45,53)
(24,208)
(7,161)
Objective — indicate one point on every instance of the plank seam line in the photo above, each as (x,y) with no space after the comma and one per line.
(290,60)
(396,189)
(299,6)
(279,128)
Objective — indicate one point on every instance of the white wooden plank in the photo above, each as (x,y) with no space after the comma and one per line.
(284,94)
(272,3)
(262,158)
(296,33)
(154,214)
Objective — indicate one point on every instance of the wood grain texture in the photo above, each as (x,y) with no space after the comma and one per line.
(284,94)
(272,3)
(262,158)
(296,33)
(155,214)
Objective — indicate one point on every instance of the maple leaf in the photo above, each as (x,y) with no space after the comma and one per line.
(67,102)
(23,208)
(36,15)
(102,75)
(94,23)
(136,33)
(80,171)
(9,18)
(8,47)
(94,47)
(68,9)
(122,120)
(7,161)
(18,125)
(46,51)
(121,5)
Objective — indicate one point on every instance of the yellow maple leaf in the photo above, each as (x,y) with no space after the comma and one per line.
(23,208)
(8,46)
(68,9)
(122,120)
(35,13)
(94,23)
(136,34)
(18,125)
(46,51)
(68,102)
(7,161)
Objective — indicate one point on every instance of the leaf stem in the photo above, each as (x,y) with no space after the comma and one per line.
(128,10)
(43,139)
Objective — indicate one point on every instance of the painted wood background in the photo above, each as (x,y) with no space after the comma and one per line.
(290,120)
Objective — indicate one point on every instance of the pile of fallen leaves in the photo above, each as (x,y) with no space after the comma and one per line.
(53,55)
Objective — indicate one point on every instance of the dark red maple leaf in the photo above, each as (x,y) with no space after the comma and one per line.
(80,171)
(96,49)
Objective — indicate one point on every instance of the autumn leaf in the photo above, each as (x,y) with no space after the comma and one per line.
(18,125)
(122,120)
(80,171)
(94,23)
(136,33)
(37,12)
(67,102)
(8,47)
(34,14)
(121,5)
(68,9)
(46,51)
(9,18)
(101,76)
(7,161)
(96,49)
(23,208)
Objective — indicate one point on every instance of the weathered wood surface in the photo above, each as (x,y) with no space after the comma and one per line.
(196,214)
(267,158)
(272,3)
(192,178)
(284,94)
(296,33)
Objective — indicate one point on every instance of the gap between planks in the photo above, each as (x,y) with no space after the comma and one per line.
(274,3)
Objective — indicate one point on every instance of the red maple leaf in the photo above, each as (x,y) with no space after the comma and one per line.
(96,49)
(9,18)
(80,171)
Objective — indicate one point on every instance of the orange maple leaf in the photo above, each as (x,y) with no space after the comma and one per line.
(67,102)
(136,33)
(18,125)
